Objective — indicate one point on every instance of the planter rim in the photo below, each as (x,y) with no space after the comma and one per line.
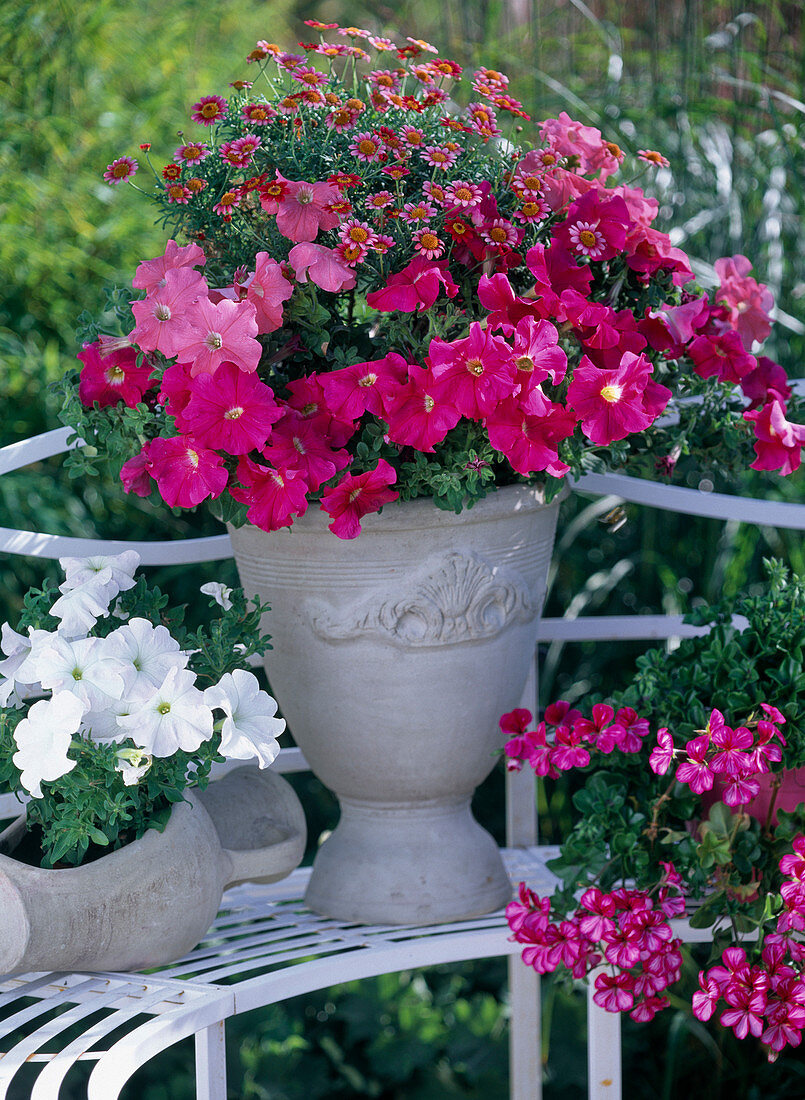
(420,513)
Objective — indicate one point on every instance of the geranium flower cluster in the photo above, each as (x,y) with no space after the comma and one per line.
(766,998)
(732,757)
(387,277)
(622,937)
(129,688)
(564,738)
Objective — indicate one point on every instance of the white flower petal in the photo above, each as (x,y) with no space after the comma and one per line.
(43,739)
(117,570)
(250,727)
(174,717)
(219,592)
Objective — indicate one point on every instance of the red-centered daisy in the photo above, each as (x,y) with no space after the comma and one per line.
(651,156)
(342,207)
(340,120)
(240,85)
(192,153)
(318,26)
(366,147)
(171,172)
(439,156)
(418,211)
(119,170)
(427,244)
(258,114)
(396,171)
(227,203)
(458,229)
(178,192)
(209,109)
(344,180)
(354,32)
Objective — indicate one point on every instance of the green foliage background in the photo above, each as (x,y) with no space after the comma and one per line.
(718,88)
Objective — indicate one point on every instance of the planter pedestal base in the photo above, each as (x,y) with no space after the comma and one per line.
(424,863)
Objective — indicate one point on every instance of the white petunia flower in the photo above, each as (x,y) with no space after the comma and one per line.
(250,727)
(101,722)
(219,592)
(174,717)
(115,571)
(80,608)
(132,764)
(18,668)
(43,739)
(146,654)
(82,666)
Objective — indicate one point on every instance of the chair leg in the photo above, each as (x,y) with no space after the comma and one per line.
(211,1062)
(525,1046)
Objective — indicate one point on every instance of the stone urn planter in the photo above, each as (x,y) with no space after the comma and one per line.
(394,655)
(152,901)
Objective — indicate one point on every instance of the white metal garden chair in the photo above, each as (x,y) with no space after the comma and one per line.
(265,946)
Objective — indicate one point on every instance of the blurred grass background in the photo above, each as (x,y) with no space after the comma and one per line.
(718,88)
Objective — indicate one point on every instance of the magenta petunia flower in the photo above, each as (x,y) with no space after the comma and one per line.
(221,332)
(209,109)
(537,355)
(721,356)
(356,495)
(305,448)
(530,440)
(417,415)
(109,377)
(119,170)
(352,391)
(477,372)
(267,289)
(612,404)
(136,474)
(185,472)
(274,496)
(230,411)
(416,287)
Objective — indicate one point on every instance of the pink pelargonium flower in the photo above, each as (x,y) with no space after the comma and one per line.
(614,992)
(418,414)
(185,472)
(695,771)
(361,387)
(612,404)
(355,496)
(476,372)
(748,301)
(163,317)
(322,266)
(230,411)
(113,376)
(778,443)
(274,496)
(661,757)
(221,332)
(150,274)
(302,210)
(415,287)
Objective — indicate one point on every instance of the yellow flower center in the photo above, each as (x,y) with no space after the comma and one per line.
(367,380)
(612,394)
(429,241)
(164,708)
(587,238)
(358,233)
(355,494)
(475,366)
(115,376)
(234,413)
(428,403)
(525,362)
(367,147)
(210,110)
(498,235)
(192,458)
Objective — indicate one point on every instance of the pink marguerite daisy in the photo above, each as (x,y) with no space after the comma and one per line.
(193,152)
(209,109)
(439,156)
(428,244)
(119,170)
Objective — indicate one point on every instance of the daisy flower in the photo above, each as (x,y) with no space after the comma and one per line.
(464,195)
(227,203)
(258,114)
(366,147)
(178,192)
(418,211)
(651,156)
(439,156)
(427,244)
(192,153)
(119,170)
(209,109)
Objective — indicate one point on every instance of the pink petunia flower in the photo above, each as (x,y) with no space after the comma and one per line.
(418,415)
(185,472)
(778,443)
(302,210)
(361,387)
(612,404)
(322,265)
(721,356)
(304,448)
(477,372)
(230,411)
(356,495)
(748,301)
(529,440)
(136,474)
(274,496)
(163,317)
(222,332)
(150,274)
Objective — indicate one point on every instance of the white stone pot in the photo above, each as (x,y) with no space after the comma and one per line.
(152,901)
(394,655)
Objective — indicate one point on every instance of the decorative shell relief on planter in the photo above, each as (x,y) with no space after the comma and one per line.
(458,598)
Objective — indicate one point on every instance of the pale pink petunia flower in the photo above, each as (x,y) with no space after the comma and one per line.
(221,332)
(150,274)
(163,316)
